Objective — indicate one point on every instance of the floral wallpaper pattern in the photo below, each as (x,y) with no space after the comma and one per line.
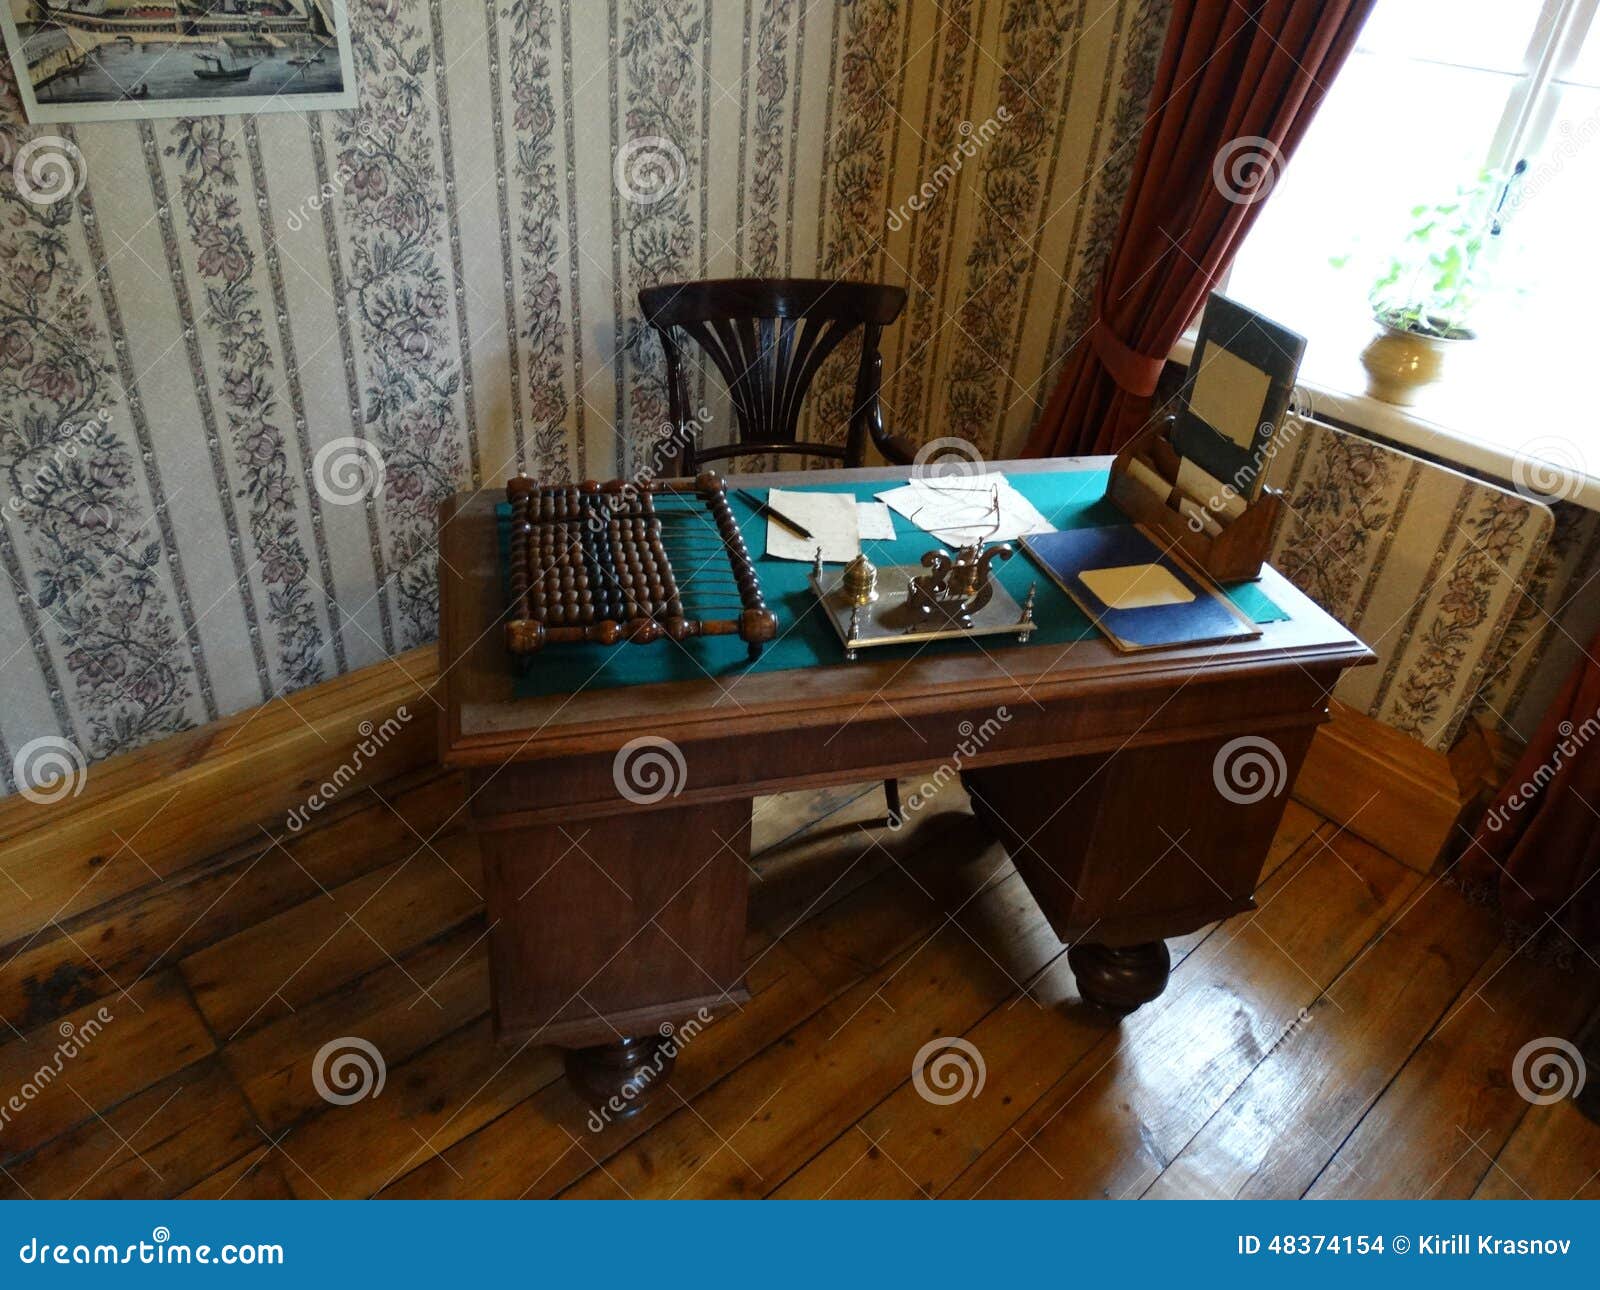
(226,264)
(1426,565)
(95,595)
(447,276)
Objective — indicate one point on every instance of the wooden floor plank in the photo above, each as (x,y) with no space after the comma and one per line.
(548,1141)
(1554,1154)
(908,1147)
(1119,1116)
(257,1175)
(1277,1132)
(116,945)
(95,1057)
(426,1106)
(1439,1126)
(158,1143)
(283,963)
(400,1009)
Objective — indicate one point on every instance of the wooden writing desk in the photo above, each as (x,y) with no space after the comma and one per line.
(1137,795)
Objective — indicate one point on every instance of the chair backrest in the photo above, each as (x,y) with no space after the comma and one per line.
(767,338)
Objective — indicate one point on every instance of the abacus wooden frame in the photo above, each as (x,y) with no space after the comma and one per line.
(526,633)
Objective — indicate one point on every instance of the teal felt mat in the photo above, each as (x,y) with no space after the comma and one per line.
(1068,499)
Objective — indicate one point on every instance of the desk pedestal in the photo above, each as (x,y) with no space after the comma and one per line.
(607,934)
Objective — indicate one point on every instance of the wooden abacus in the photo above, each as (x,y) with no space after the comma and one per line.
(589,563)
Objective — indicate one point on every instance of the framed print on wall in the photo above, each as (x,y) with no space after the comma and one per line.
(111,60)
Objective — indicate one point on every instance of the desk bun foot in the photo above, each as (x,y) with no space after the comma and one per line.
(633,1072)
(1120,978)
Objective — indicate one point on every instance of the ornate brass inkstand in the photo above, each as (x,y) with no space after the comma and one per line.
(944,598)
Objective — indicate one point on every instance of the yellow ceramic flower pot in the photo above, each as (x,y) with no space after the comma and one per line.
(1400,364)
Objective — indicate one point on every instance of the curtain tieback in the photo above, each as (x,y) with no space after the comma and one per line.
(1135,372)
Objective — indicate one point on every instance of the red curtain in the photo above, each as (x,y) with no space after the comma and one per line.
(1237,85)
(1539,844)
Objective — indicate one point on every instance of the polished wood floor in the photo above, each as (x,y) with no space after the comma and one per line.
(1353,1037)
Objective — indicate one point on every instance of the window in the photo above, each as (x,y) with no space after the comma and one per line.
(1436,92)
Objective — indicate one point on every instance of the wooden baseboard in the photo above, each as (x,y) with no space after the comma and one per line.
(1392,791)
(147,814)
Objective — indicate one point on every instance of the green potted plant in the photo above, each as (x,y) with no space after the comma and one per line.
(1424,296)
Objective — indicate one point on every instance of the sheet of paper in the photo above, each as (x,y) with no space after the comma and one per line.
(1211,492)
(1136,586)
(963,509)
(874,522)
(1228,394)
(830,517)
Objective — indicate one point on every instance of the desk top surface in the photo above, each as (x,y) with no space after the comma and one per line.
(486,723)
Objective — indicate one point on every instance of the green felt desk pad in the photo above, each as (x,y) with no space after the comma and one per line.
(1068,499)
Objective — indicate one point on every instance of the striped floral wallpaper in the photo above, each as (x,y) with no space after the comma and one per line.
(211,315)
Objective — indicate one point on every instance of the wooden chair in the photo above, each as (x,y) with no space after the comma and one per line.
(767,338)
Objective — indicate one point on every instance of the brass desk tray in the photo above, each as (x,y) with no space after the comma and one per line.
(890,620)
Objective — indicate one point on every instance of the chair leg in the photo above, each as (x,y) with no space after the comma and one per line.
(891,795)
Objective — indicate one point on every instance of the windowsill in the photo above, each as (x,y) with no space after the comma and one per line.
(1490,414)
